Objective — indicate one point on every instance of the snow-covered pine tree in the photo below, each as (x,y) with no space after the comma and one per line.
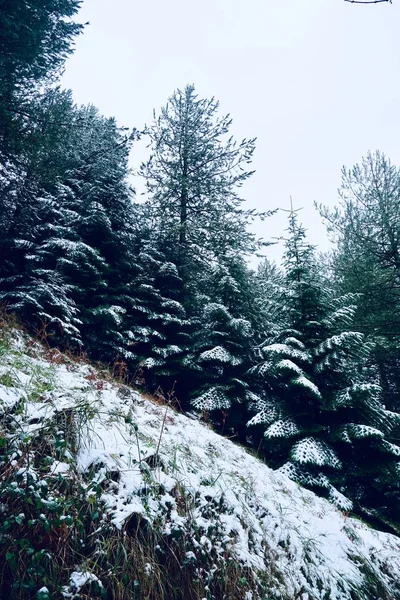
(193,177)
(35,38)
(31,216)
(323,426)
(98,193)
(223,336)
(68,238)
(366,226)
(157,320)
(218,362)
(31,285)
(80,261)
(268,288)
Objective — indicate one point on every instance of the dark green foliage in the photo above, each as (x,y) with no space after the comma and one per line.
(162,288)
(35,39)
(200,226)
(67,257)
(323,426)
(157,321)
(268,289)
(223,337)
(45,516)
(366,226)
(32,284)
(192,176)
(219,361)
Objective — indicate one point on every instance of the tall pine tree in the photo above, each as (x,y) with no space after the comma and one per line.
(193,178)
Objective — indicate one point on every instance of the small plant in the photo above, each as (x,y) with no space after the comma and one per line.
(43,332)
(48,517)
(7,379)
(120,371)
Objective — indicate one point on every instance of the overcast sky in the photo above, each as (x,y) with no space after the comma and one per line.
(316,81)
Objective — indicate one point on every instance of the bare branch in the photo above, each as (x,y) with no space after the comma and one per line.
(367,1)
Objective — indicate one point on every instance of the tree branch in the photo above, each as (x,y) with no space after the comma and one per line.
(367,1)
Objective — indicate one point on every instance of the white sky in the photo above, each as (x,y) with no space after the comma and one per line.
(316,81)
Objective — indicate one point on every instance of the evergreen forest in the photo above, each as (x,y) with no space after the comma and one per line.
(299,361)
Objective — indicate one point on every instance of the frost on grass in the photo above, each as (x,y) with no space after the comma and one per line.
(204,497)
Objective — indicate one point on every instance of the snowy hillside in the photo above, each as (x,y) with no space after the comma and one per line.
(163,501)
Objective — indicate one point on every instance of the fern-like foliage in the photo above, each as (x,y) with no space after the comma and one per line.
(321,422)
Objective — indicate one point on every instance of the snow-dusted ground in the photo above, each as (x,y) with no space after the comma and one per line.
(316,551)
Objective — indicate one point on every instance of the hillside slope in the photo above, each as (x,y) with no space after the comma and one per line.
(107,494)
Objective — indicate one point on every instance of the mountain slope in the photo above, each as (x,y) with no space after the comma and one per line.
(117,496)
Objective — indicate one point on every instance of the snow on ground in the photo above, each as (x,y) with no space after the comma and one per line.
(263,517)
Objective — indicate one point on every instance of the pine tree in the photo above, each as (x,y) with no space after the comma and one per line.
(36,37)
(223,336)
(157,321)
(31,285)
(219,362)
(67,251)
(323,425)
(192,177)
(268,291)
(366,225)
(97,192)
